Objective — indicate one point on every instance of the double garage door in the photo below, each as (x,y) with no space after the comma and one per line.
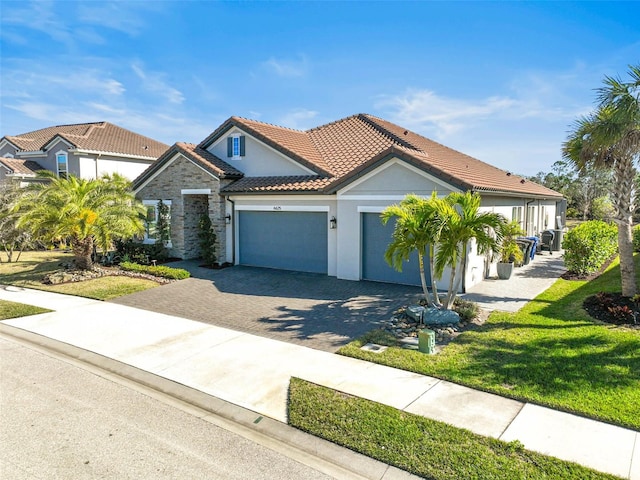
(298,241)
(284,240)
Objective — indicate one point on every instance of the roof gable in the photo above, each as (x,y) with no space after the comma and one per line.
(17,166)
(197,155)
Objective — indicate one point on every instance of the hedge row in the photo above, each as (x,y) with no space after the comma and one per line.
(158,271)
(588,246)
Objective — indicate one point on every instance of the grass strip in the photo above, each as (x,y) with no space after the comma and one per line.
(14,310)
(424,447)
(550,353)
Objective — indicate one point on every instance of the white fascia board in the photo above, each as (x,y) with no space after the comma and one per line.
(235,130)
(4,142)
(82,151)
(167,164)
(195,191)
(280,198)
(34,153)
(284,208)
(155,202)
(375,198)
(390,163)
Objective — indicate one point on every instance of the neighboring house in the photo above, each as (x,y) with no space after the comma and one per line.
(310,200)
(86,150)
(18,169)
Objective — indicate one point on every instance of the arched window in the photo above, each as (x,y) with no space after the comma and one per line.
(62,164)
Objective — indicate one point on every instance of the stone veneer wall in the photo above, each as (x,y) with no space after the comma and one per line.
(183,174)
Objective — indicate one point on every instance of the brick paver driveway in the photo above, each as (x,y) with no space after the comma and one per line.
(313,310)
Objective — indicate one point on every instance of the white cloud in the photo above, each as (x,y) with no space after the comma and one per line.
(299,119)
(153,82)
(287,68)
(36,15)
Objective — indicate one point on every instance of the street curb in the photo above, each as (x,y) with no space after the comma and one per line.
(347,463)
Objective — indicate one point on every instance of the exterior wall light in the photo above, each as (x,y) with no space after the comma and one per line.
(333,223)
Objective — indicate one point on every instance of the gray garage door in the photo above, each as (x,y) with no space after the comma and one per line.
(285,240)
(375,239)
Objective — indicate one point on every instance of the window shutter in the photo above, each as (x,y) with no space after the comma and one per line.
(242,145)
(229,147)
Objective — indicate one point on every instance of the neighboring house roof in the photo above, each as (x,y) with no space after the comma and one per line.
(103,137)
(348,148)
(204,159)
(17,166)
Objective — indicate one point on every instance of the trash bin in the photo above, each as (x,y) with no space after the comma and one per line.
(558,234)
(427,341)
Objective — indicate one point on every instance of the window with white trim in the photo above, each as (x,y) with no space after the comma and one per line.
(235,146)
(531,220)
(62,164)
(516,215)
(157,212)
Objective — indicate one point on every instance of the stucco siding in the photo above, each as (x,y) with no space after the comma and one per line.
(260,160)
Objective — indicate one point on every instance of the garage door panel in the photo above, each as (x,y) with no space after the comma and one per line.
(284,240)
(375,240)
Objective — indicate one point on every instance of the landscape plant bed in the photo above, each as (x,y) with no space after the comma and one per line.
(551,353)
(419,445)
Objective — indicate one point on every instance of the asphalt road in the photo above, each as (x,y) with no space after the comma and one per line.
(59,420)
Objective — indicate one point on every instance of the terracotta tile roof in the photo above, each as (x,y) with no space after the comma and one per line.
(99,136)
(199,156)
(19,166)
(347,147)
(309,183)
(208,160)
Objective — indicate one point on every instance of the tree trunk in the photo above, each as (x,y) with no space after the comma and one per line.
(82,249)
(432,268)
(623,203)
(423,281)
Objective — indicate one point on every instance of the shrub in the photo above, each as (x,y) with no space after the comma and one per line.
(207,240)
(636,238)
(466,309)
(588,246)
(157,271)
(142,253)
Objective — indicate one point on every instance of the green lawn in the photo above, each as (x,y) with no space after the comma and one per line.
(550,353)
(28,273)
(419,445)
(15,310)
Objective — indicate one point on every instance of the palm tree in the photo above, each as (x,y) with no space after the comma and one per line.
(416,229)
(609,138)
(463,221)
(87,212)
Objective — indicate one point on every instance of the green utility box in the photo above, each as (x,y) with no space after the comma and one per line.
(427,341)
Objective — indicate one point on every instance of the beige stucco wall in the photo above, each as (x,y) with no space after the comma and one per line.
(260,160)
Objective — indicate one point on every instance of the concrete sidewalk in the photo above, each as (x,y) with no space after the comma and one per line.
(253,372)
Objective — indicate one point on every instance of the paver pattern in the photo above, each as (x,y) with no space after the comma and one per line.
(313,310)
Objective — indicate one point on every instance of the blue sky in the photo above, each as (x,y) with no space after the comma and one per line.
(501,81)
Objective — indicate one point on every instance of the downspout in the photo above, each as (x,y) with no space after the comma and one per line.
(97,158)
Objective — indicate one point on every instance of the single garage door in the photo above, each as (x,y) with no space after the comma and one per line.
(285,240)
(375,240)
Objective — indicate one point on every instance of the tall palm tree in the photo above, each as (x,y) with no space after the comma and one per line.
(609,138)
(87,212)
(416,229)
(463,221)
